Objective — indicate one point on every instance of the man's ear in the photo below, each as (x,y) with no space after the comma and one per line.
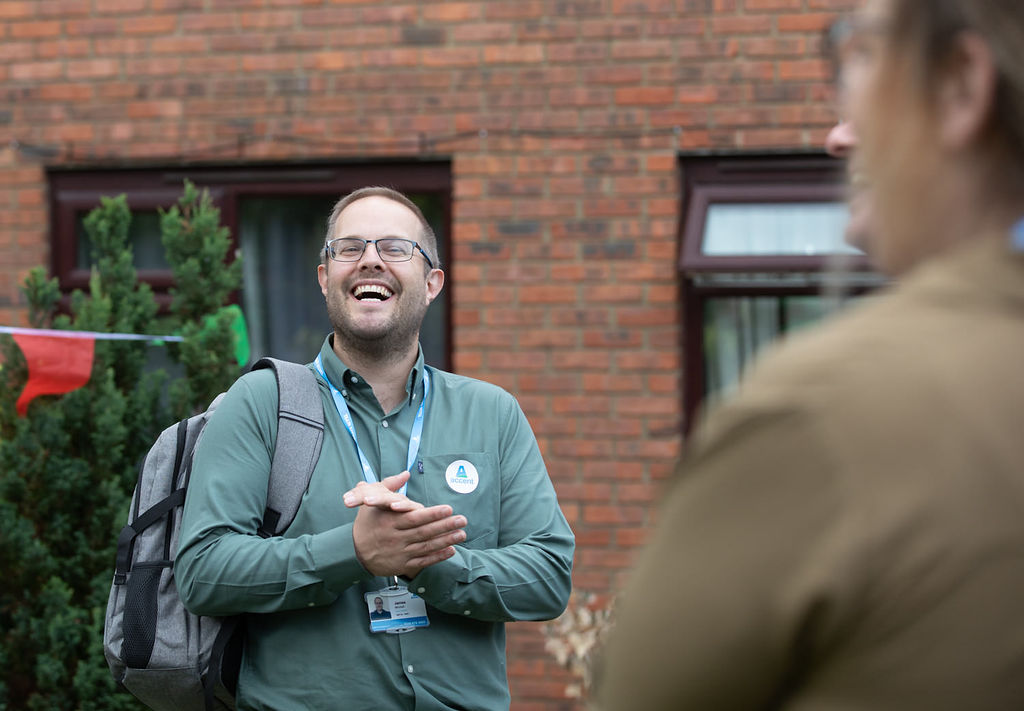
(321,276)
(435,282)
(967,91)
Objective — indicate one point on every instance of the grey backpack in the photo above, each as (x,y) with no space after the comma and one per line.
(170,659)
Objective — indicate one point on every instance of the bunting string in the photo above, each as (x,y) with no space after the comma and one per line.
(94,335)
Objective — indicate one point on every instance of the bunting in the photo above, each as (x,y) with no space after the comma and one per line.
(61,361)
(56,365)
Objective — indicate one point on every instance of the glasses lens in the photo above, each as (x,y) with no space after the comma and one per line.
(395,249)
(347,249)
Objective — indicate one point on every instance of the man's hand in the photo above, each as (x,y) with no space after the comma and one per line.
(383,494)
(394,535)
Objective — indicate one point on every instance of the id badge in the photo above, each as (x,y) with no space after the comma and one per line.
(396,610)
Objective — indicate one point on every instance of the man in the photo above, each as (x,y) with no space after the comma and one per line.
(848,532)
(462,534)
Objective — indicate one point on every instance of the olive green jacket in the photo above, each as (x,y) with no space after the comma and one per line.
(848,532)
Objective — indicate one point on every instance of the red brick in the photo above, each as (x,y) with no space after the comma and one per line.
(452,12)
(150,25)
(513,54)
(119,6)
(93,68)
(11,10)
(804,22)
(209,21)
(268,20)
(74,92)
(37,28)
(36,71)
(809,69)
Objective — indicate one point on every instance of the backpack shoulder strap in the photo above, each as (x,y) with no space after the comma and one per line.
(300,436)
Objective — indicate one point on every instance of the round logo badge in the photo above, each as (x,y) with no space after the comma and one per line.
(461,476)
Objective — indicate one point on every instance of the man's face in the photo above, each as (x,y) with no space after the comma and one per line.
(373,305)
(378,603)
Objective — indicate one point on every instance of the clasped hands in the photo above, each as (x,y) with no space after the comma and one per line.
(394,535)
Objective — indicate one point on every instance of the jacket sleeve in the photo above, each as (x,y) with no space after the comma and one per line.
(223,567)
(528,574)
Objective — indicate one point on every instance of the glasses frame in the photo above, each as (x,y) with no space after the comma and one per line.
(329,252)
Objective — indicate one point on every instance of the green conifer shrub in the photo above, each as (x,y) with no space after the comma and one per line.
(68,468)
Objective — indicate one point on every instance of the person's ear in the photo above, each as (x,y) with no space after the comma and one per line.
(435,282)
(967,91)
(321,276)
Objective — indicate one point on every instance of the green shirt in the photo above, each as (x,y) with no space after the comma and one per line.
(309,645)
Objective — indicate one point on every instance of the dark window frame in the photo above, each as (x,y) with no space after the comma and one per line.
(708,179)
(77,189)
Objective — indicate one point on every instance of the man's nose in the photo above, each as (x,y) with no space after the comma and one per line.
(370,257)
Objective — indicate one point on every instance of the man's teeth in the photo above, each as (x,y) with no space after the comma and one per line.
(371,291)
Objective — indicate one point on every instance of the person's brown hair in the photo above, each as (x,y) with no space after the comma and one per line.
(930,28)
(427,238)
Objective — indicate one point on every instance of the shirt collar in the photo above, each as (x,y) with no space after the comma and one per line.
(340,374)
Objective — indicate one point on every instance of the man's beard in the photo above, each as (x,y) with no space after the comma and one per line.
(391,339)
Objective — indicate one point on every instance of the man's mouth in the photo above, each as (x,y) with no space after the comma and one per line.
(372,292)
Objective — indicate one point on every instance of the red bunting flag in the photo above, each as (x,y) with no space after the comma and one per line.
(56,365)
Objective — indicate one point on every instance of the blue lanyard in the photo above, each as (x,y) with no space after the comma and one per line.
(346,417)
(1017,236)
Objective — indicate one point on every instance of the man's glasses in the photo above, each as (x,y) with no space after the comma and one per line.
(390,249)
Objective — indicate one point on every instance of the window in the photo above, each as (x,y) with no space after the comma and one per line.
(762,255)
(277,216)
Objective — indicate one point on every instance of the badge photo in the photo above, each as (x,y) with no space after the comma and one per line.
(461,476)
(395,610)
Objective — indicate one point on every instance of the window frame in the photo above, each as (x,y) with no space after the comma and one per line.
(78,189)
(708,179)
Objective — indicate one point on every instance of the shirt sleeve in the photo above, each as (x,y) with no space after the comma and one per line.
(528,575)
(223,567)
(742,579)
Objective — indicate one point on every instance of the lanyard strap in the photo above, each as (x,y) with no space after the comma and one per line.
(346,417)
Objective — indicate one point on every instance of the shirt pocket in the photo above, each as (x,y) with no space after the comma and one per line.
(469,482)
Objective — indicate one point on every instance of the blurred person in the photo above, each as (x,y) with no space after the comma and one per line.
(848,531)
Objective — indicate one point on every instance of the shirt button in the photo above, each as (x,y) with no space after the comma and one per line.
(384,424)
(465,612)
(354,379)
(344,393)
(421,590)
(409,668)
(311,604)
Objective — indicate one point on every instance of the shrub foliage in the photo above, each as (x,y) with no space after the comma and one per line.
(68,468)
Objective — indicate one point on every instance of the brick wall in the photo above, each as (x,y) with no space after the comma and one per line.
(563,121)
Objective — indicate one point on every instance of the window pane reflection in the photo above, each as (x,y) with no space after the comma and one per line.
(762,229)
(143,238)
(736,328)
